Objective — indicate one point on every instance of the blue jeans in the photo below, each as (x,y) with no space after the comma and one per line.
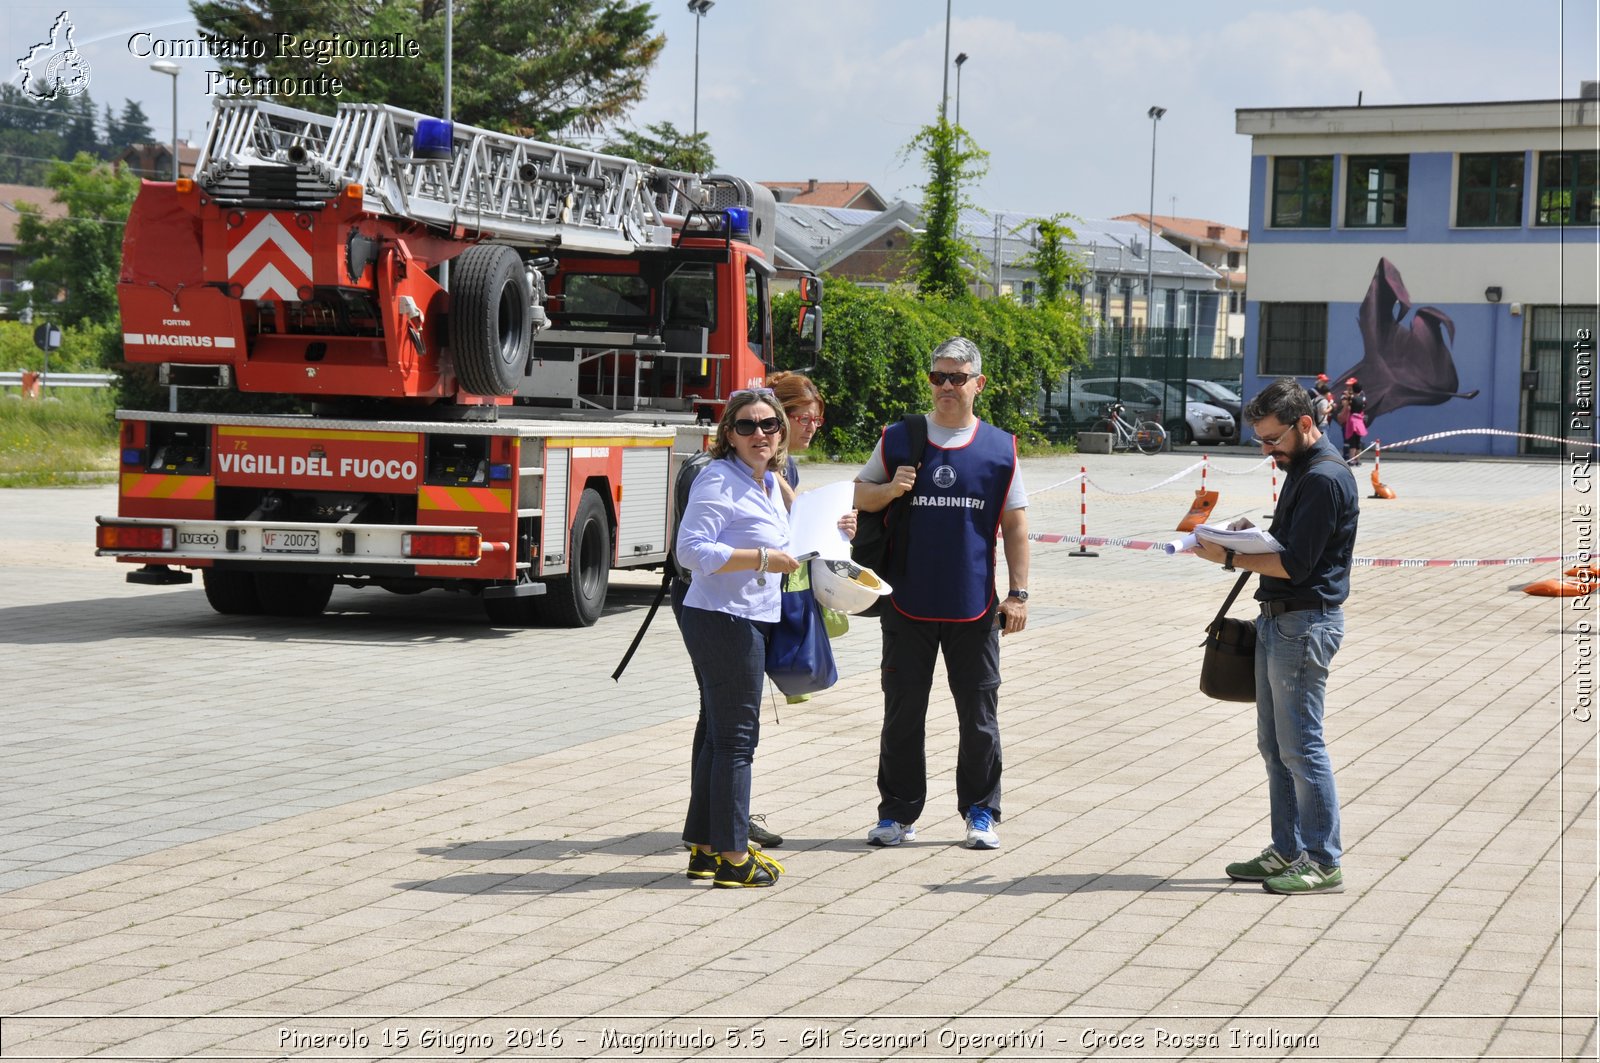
(730,663)
(1293,652)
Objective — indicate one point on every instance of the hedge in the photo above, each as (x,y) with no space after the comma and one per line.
(877,345)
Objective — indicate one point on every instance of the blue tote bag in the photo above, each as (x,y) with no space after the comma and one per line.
(799,655)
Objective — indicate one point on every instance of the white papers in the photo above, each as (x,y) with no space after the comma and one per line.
(814,521)
(1241,540)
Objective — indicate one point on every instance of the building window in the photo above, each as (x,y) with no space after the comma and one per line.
(1302,192)
(1294,339)
(1233,260)
(1489,191)
(1569,184)
(1375,191)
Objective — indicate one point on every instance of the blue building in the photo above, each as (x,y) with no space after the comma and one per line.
(1446,255)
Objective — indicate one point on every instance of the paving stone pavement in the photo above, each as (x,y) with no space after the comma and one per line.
(246,838)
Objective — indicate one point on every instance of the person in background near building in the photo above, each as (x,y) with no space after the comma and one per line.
(1301,591)
(1353,418)
(966,490)
(734,532)
(1322,400)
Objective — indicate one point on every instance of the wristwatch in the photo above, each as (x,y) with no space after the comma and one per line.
(1020,596)
(1227,561)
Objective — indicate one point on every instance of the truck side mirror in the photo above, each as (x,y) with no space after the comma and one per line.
(810,327)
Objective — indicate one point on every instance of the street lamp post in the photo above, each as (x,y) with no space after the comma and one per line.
(1154,114)
(944,94)
(961,57)
(168,67)
(698,8)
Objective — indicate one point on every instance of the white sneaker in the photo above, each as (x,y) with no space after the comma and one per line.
(980,829)
(888,832)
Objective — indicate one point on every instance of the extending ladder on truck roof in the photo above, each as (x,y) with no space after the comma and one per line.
(506,188)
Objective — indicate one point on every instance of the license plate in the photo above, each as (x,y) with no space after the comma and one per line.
(280,541)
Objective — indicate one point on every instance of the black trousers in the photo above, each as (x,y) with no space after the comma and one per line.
(972,659)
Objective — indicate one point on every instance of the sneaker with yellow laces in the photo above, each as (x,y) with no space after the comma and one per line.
(758,869)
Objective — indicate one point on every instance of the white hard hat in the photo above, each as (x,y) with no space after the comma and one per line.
(845,585)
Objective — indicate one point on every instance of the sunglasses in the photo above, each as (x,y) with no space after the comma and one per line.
(937,378)
(767,426)
(760,393)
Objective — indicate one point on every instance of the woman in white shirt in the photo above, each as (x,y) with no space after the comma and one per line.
(733,537)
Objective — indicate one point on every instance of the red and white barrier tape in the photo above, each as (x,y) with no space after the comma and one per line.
(1367,562)
(1429,438)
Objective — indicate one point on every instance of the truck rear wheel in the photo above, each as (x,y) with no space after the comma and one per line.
(293,593)
(491,318)
(578,598)
(231,593)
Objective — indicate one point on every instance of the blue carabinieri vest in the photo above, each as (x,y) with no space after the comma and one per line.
(954,519)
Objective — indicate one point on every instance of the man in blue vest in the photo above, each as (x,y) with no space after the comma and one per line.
(964,494)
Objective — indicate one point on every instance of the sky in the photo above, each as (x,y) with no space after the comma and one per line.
(1057,91)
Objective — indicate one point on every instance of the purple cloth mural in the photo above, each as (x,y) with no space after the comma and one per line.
(1407,363)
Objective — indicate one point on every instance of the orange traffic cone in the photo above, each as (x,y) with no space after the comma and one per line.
(1204,501)
(1379,488)
(1558,588)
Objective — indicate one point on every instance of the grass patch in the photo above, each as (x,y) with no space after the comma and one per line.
(65,439)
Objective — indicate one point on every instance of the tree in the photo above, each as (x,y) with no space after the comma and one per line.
(537,67)
(115,141)
(1057,269)
(941,256)
(80,254)
(134,128)
(664,144)
(83,131)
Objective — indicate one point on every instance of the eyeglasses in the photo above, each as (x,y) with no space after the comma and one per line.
(760,393)
(1275,440)
(768,426)
(936,378)
(807,420)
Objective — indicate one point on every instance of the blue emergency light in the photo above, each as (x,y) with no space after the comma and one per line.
(738,221)
(433,139)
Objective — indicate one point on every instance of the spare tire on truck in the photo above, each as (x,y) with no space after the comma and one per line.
(491,318)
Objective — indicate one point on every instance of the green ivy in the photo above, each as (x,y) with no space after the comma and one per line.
(877,345)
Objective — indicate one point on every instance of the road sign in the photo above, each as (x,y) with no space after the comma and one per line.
(47,337)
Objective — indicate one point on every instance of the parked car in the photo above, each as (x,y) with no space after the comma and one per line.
(1217,395)
(1076,408)
(1199,422)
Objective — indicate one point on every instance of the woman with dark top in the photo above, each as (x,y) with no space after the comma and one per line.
(733,539)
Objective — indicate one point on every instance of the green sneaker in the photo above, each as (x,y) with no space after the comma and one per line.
(1306,876)
(1263,867)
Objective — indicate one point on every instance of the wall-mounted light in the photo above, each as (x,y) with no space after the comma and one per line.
(1492,293)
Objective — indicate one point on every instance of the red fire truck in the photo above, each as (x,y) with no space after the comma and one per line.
(506,346)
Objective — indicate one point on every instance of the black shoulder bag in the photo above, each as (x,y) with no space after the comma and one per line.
(881,537)
(1228,669)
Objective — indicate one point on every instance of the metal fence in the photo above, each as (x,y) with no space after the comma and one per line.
(1147,369)
(58,380)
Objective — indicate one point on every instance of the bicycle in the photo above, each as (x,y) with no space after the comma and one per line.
(1147,437)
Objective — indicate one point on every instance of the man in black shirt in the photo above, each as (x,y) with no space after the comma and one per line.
(1302,590)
